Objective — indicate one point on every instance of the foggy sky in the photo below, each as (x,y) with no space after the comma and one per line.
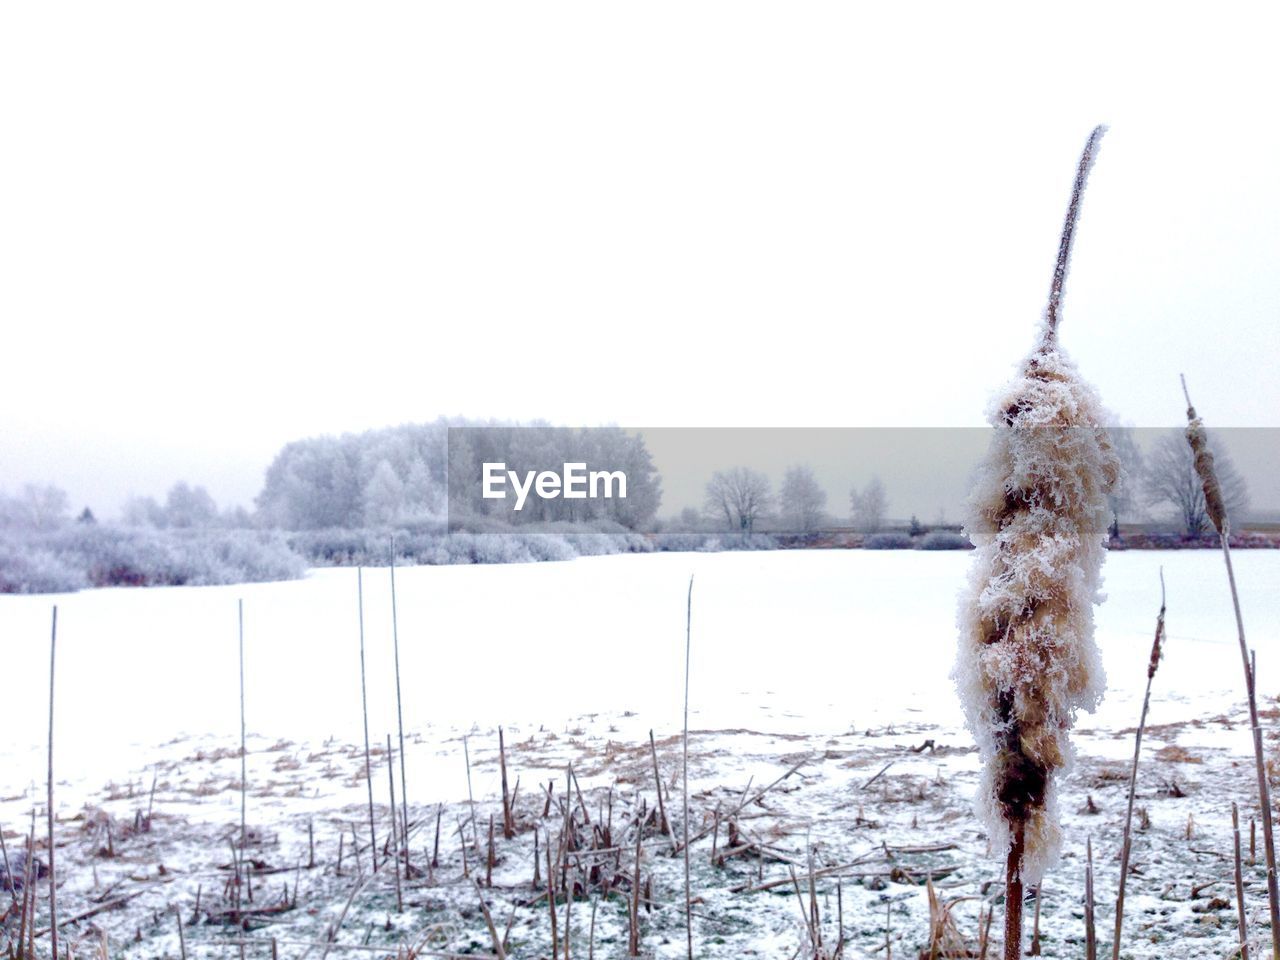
(225,227)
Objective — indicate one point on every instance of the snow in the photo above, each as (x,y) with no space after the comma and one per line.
(842,656)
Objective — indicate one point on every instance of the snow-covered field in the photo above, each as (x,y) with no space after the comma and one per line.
(839,659)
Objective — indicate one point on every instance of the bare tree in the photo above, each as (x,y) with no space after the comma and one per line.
(802,500)
(739,497)
(868,506)
(1171,480)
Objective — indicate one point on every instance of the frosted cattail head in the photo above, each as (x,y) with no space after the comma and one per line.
(1214,503)
(1038,517)
(1157,645)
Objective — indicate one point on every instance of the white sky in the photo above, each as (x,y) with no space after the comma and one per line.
(226,226)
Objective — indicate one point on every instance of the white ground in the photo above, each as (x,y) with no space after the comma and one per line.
(839,656)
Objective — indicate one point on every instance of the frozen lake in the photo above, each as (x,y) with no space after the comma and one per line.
(813,642)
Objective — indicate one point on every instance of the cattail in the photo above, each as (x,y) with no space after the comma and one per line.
(1213,500)
(1027,661)
(1198,440)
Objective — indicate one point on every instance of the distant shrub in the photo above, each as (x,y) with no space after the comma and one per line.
(25,569)
(944,540)
(887,541)
(99,555)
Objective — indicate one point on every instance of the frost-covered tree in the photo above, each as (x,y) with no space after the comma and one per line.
(739,497)
(313,484)
(37,507)
(867,507)
(143,512)
(188,506)
(1171,481)
(802,500)
(1027,660)
(383,496)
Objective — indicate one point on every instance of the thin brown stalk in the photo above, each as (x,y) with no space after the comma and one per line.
(688,892)
(471,799)
(1240,912)
(985,939)
(633,943)
(489,858)
(8,869)
(591,931)
(182,936)
(395,643)
(1090,931)
(435,847)
(488,920)
(364,709)
(508,826)
(1127,842)
(1214,506)
(244,770)
(53,874)
(813,899)
(1013,895)
(663,824)
(551,900)
(1035,927)
(391,787)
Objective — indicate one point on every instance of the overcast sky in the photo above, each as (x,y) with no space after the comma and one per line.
(226,226)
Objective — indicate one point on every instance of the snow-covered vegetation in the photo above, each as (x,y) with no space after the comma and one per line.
(882,809)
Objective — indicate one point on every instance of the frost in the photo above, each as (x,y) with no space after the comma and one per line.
(1027,661)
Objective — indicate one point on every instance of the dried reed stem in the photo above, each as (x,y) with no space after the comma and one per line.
(395,643)
(1090,931)
(8,869)
(508,825)
(663,824)
(1035,926)
(53,874)
(395,863)
(244,768)
(364,709)
(488,920)
(551,900)
(1126,844)
(471,799)
(688,893)
(1240,911)
(1215,507)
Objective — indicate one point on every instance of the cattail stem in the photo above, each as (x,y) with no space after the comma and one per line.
(53,875)
(395,643)
(1215,507)
(1126,843)
(688,893)
(364,709)
(244,761)
(1013,894)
